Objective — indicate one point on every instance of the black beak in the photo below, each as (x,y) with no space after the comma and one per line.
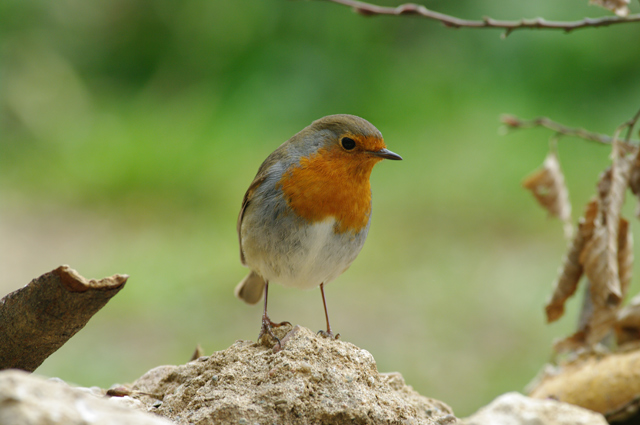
(387,154)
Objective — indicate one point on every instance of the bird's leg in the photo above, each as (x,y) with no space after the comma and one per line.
(267,324)
(328,333)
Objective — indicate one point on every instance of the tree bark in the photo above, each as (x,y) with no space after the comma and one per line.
(39,318)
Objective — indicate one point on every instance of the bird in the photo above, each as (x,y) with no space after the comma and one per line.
(306,215)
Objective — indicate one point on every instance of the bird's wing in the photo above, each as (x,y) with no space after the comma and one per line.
(264,171)
(261,177)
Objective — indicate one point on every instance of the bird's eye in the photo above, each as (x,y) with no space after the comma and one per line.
(348,143)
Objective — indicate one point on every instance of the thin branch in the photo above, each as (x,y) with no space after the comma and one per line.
(513,122)
(630,124)
(449,21)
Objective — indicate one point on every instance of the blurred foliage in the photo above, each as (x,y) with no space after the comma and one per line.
(131,129)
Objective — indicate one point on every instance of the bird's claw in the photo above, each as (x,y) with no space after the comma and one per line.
(328,334)
(267,326)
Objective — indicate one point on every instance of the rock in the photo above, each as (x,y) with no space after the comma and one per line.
(27,399)
(515,409)
(608,383)
(310,379)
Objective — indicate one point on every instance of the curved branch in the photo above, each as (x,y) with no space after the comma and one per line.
(513,122)
(368,9)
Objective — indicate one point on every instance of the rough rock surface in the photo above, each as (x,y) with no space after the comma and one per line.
(311,379)
(515,409)
(27,399)
(604,383)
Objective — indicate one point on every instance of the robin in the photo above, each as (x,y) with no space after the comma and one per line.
(306,215)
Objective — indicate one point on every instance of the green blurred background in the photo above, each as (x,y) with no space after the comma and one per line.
(131,129)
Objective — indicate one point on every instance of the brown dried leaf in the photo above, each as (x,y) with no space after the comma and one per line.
(599,315)
(604,184)
(625,255)
(628,323)
(595,322)
(600,256)
(601,323)
(548,187)
(119,391)
(197,353)
(571,270)
(606,257)
(627,327)
(634,181)
(600,262)
(634,176)
(570,343)
(619,7)
(601,302)
(620,171)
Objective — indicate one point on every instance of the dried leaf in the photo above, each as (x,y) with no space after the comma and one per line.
(623,161)
(119,391)
(634,176)
(604,184)
(600,262)
(628,323)
(601,302)
(595,322)
(627,327)
(634,181)
(549,189)
(600,256)
(606,257)
(625,255)
(619,7)
(570,343)
(123,391)
(197,353)
(571,270)
(602,322)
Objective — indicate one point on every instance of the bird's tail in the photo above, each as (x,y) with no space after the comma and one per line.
(250,288)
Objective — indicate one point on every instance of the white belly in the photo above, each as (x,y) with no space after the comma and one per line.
(305,257)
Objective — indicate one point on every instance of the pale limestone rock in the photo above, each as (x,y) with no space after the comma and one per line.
(27,399)
(516,409)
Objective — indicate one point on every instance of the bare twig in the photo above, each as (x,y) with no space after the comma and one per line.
(39,318)
(517,123)
(630,124)
(368,9)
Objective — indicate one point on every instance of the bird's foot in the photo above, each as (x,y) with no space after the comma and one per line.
(267,326)
(328,334)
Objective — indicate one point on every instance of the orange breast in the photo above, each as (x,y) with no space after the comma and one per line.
(331,183)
